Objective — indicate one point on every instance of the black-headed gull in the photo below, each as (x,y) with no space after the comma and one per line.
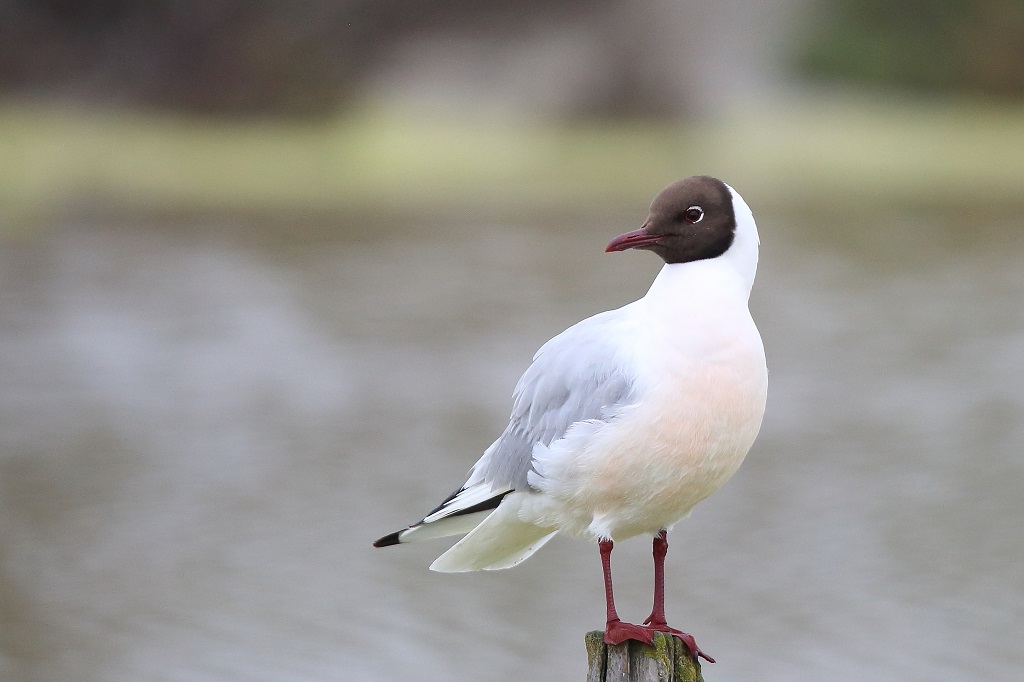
(627,419)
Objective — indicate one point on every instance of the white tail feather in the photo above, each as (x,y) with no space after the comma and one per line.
(500,541)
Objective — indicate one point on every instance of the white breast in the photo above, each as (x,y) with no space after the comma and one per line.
(701,382)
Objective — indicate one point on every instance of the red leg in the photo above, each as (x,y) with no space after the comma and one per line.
(615,631)
(656,621)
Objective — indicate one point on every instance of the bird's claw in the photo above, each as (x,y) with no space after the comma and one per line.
(686,639)
(617,632)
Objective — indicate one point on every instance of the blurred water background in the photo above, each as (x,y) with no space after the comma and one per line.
(268,278)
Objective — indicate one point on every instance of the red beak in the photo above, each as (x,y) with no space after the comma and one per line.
(632,240)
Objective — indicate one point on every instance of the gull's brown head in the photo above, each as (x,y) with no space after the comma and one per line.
(692,219)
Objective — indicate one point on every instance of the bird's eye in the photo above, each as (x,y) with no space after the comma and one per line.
(694,214)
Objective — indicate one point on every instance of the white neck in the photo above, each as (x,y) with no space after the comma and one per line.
(742,254)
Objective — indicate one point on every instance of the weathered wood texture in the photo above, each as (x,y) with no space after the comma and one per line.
(667,661)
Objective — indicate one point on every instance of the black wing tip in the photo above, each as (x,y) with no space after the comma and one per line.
(486,505)
(388,540)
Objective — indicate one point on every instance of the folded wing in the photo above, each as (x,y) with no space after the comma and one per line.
(576,376)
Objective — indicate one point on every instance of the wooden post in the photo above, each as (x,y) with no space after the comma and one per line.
(667,661)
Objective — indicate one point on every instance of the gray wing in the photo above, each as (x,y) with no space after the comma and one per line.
(576,376)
